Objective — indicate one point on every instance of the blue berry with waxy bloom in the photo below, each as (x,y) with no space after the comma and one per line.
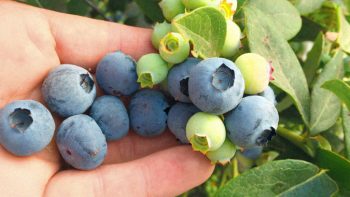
(206,132)
(269,94)
(111,115)
(252,153)
(116,74)
(252,123)
(69,90)
(26,127)
(81,142)
(216,85)
(224,154)
(148,112)
(178,79)
(178,116)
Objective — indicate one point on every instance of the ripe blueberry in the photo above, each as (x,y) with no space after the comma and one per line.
(216,85)
(178,79)
(69,90)
(148,112)
(26,127)
(252,123)
(116,74)
(269,95)
(178,117)
(81,142)
(252,153)
(111,115)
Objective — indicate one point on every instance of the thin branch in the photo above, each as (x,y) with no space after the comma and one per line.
(95,8)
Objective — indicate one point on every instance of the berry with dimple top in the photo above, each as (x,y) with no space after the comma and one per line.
(206,132)
(178,79)
(171,8)
(116,74)
(111,115)
(26,127)
(69,90)
(216,85)
(151,70)
(148,112)
(252,123)
(174,48)
(256,72)
(178,117)
(159,31)
(232,41)
(269,95)
(81,142)
(224,154)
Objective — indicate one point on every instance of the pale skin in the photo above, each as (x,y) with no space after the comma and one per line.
(32,42)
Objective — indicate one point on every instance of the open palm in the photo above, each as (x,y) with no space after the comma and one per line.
(32,42)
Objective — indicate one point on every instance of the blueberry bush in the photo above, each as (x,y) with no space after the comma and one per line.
(308,44)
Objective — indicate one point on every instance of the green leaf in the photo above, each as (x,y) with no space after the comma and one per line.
(326,16)
(78,7)
(314,58)
(344,32)
(338,168)
(339,88)
(325,106)
(151,9)
(33,2)
(281,14)
(346,128)
(307,6)
(309,31)
(205,28)
(265,39)
(281,178)
(57,5)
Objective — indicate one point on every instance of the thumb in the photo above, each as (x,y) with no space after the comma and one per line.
(166,173)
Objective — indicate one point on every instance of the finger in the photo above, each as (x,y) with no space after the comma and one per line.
(134,147)
(166,173)
(85,41)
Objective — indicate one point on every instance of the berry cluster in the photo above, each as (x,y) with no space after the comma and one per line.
(213,104)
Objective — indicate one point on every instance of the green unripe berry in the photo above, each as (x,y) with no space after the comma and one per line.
(159,31)
(256,72)
(171,8)
(232,40)
(174,48)
(206,132)
(194,4)
(151,70)
(224,154)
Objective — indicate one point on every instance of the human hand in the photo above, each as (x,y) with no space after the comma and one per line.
(32,42)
